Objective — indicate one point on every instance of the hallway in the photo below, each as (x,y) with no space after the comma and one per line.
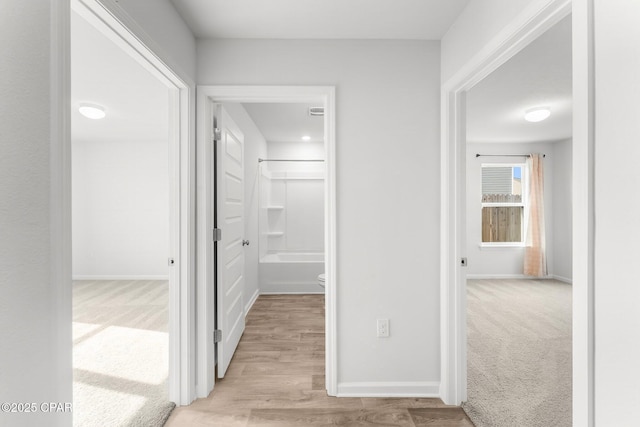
(276,378)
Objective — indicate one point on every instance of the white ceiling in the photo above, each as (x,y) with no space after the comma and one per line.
(320,19)
(286,122)
(539,75)
(136,103)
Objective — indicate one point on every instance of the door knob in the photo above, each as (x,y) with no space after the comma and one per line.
(245,243)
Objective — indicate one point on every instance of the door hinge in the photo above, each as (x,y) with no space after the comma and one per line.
(217,336)
(217,234)
(217,134)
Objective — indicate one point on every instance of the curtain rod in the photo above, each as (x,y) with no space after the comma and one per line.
(289,160)
(506,155)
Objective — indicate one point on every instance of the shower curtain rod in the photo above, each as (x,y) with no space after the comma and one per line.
(506,155)
(289,160)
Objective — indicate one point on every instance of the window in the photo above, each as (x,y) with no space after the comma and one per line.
(503,204)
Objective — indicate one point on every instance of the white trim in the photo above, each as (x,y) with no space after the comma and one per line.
(206,95)
(500,245)
(525,28)
(502,205)
(111,20)
(516,277)
(252,301)
(294,288)
(390,389)
(292,293)
(503,276)
(583,213)
(60,202)
(123,277)
(136,38)
(561,279)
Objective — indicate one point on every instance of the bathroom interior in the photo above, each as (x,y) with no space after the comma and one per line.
(284,197)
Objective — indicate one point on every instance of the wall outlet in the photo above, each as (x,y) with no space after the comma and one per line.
(383,328)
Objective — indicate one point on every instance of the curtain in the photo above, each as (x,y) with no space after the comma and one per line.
(535,259)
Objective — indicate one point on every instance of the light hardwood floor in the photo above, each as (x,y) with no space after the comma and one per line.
(276,378)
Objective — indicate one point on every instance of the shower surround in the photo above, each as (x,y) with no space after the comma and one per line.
(291,227)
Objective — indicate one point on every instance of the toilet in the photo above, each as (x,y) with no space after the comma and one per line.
(321,279)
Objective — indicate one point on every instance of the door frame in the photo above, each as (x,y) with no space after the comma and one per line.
(113,22)
(508,42)
(206,97)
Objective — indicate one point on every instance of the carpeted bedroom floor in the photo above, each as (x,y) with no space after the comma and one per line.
(519,353)
(120,353)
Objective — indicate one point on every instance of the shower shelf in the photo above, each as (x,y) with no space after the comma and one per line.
(275,208)
(275,233)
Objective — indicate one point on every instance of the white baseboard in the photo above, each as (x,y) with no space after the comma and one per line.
(497,276)
(292,293)
(291,288)
(390,389)
(252,300)
(140,277)
(514,276)
(562,279)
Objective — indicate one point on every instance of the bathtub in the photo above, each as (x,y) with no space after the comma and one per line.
(291,273)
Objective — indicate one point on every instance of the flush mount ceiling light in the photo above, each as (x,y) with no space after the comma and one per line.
(92,111)
(306,138)
(537,114)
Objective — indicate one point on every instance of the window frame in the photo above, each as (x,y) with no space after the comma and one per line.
(524,181)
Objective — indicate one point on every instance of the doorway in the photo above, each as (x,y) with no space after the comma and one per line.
(208,98)
(507,310)
(453,219)
(159,172)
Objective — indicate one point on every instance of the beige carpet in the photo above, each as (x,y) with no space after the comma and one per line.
(519,353)
(120,353)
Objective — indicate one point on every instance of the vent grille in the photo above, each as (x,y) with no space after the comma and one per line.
(316,111)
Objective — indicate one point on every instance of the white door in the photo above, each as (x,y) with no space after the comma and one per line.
(229,218)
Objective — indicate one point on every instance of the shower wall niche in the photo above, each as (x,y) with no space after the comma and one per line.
(292,211)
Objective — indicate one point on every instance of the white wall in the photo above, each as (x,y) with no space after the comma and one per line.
(477,26)
(120,208)
(255,147)
(174,41)
(29,367)
(495,262)
(617,209)
(295,150)
(34,367)
(387,96)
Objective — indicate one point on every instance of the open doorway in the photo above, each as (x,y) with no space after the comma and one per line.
(130,210)
(453,219)
(211,103)
(120,227)
(519,323)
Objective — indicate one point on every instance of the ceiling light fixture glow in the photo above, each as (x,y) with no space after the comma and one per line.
(306,138)
(537,114)
(92,111)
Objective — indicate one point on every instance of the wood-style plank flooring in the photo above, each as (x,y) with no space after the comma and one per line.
(276,378)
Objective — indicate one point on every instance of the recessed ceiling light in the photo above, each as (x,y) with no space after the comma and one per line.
(306,138)
(537,114)
(92,111)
